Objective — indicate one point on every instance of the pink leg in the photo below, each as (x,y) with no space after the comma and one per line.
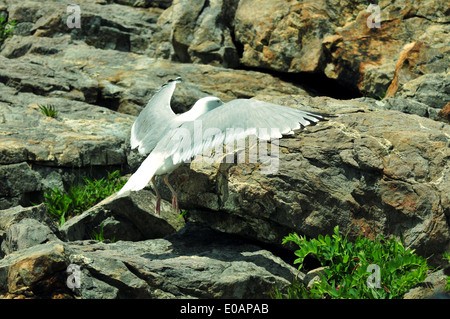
(174,194)
(158,198)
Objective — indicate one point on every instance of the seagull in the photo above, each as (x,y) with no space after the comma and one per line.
(154,132)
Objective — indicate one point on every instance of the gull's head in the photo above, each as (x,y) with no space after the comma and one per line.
(200,107)
(177,80)
(206,104)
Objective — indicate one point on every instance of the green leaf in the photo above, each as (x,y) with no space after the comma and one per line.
(345,259)
(346,264)
(62,220)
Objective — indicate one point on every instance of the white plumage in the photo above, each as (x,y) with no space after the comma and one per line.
(157,131)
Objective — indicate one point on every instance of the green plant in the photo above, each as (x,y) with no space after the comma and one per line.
(99,236)
(447,286)
(78,198)
(182,214)
(382,96)
(48,110)
(346,265)
(6,28)
(295,290)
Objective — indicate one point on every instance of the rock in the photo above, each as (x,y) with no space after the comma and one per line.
(419,74)
(313,276)
(19,182)
(404,105)
(129,218)
(39,152)
(83,73)
(269,33)
(400,59)
(194,263)
(38,271)
(26,227)
(444,114)
(146,3)
(374,52)
(200,31)
(112,26)
(174,267)
(276,37)
(26,233)
(339,42)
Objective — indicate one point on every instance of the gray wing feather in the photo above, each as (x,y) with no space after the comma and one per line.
(233,121)
(154,120)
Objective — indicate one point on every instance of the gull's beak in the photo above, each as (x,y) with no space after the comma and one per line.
(178,80)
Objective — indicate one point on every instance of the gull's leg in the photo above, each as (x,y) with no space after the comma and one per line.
(158,198)
(174,194)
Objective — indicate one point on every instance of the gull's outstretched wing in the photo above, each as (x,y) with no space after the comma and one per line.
(154,120)
(232,121)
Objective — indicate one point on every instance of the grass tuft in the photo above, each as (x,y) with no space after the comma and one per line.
(48,110)
(6,28)
(63,205)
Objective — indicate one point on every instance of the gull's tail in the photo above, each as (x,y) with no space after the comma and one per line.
(144,173)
